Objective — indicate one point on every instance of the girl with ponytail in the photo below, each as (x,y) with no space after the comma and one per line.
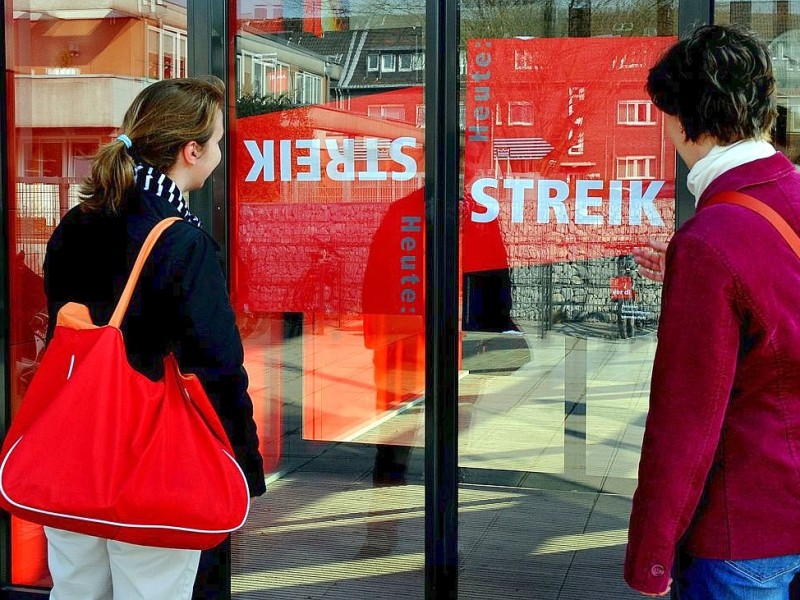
(168,145)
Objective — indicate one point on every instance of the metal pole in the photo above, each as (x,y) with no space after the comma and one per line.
(207,55)
(690,14)
(207,45)
(442,332)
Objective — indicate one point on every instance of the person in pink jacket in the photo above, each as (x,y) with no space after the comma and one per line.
(719,475)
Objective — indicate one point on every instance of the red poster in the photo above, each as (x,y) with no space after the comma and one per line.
(313,187)
(621,288)
(329,223)
(565,156)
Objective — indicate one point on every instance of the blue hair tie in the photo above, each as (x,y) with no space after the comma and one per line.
(125,140)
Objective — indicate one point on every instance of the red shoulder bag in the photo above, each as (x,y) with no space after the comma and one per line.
(100,449)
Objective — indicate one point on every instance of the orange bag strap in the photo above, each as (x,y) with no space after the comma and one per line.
(133,278)
(765,211)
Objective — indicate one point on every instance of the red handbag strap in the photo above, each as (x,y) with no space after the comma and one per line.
(133,278)
(765,211)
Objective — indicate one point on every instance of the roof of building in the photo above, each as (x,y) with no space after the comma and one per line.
(351,49)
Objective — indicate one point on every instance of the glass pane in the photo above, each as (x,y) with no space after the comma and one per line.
(566,168)
(168,43)
(247,77)
(72,75)
(154,53)
(183,56)
(327,277)
(774,22)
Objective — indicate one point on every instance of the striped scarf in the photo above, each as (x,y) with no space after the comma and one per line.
(158,183)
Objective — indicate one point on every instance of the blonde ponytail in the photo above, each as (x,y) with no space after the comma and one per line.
(110,179)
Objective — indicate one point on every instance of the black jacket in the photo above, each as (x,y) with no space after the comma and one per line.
(181,304)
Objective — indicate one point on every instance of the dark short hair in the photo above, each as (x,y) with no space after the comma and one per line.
(718,81)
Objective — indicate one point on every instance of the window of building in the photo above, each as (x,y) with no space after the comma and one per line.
(183,52)
(247,76)
(360,145)
(167,49)
(578,147)
(388,63)
(256,74)
(404,62)
(259,76)
(524,60)
(635,167)
(239,74)
(168,57)
(245,65)
(372,62)
(307,88)
(418,61)
(421,116)
(396,112)
(520,113)
(43,159)
(635,112)
(153,53)
(790,118)
(278,78)
(81,158)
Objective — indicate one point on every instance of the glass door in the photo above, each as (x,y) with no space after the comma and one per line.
(328,279)
(566,168)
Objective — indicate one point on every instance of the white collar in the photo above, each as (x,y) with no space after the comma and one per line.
(724,158)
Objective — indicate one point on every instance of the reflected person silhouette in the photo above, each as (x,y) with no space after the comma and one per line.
(393,304)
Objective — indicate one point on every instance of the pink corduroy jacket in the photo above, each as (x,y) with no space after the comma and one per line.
(720,463)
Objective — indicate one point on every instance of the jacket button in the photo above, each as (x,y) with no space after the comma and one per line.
(657,571)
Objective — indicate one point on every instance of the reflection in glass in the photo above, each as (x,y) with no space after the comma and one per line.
(327,232)
(778,25)
(566,168)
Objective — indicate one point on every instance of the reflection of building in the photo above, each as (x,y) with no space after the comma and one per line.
(780,23)
(96,56)
(269,64)
(76,70)
(587,119)
(373,62)
(785,51)
(770,19)
(100,54)
(566,160)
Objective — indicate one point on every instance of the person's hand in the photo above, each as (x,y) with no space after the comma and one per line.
(651,259)
(664,593)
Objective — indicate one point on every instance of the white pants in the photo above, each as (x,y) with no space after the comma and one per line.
(90,568)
